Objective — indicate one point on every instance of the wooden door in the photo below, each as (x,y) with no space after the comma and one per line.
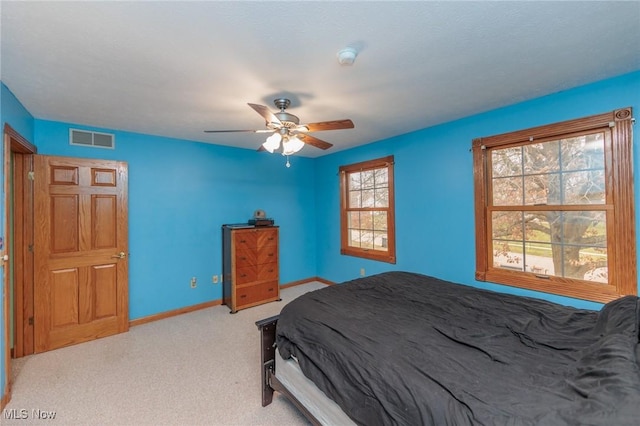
(80,242)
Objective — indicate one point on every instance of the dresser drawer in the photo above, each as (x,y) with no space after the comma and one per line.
(267,237)
(245,257)
(256,293)
(268,254)
(268,271)
(246,275)
(245,240)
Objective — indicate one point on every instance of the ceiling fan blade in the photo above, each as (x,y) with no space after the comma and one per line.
(318,143)
(329,125)
(266,113)
(236,131)
(262,148)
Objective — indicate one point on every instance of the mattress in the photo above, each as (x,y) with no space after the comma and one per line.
(307,393)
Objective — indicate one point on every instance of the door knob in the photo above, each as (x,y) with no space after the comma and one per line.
(120,255)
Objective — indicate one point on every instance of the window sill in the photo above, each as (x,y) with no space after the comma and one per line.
(370,254)
(584,290)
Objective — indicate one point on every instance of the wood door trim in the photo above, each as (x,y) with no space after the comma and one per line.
(13,143)
(18,143)
(22,255)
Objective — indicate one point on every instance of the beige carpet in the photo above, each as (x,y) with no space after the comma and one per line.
(201,368)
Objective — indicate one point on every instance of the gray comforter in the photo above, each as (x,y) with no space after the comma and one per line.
(404,348)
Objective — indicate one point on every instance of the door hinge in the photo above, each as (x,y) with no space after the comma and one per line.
(30,320)
(31,175)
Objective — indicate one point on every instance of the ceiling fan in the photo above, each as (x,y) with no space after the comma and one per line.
(286,129)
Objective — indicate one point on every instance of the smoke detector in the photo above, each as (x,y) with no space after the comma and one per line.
(347,56)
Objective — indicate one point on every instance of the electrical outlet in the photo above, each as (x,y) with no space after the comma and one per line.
(362,272)
(214,279)
(194,282)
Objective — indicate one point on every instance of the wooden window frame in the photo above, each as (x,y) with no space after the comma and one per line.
(388,256)
(621,236)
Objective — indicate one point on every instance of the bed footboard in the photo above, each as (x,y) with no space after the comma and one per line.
(270,382)
(267,329)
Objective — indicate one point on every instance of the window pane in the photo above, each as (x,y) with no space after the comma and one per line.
(507,191)
(507,255)
(366,220)
(366,239)
(581,252)
(381,177)
(368,198)
(584,187)
(354,181)
(355,199)
(585,228)
(354,220)
(583,152)
(507,225)
(507,240)
(380,221)
(381,197)
(596,257)
(507,162)
(542,189)
(367,180)
(380,241)
(538,258)
(536,225)
(354,237)
(541,157)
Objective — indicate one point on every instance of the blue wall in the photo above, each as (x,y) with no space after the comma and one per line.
(435,228)
(15,114)
(180,193)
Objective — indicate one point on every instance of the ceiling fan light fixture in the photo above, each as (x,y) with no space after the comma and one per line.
(291,145)
(272,143)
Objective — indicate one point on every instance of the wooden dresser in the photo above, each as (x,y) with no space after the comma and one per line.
(249,266)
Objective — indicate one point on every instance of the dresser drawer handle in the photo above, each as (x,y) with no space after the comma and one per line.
(270,255)
(243,241)
(270,238)
(243,258)
(271,289)
(243,275)
(242,296)
(270,270)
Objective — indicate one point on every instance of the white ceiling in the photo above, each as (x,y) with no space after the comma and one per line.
(177,68)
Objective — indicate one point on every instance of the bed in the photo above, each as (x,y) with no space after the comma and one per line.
(409,349)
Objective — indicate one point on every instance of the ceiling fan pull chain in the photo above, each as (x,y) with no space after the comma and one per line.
(288,163)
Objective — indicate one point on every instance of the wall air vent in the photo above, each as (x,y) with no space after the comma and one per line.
(95,139)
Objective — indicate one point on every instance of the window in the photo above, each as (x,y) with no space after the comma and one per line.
(554,208)
(367,210)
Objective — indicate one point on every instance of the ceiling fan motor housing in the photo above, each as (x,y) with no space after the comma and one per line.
(287,120)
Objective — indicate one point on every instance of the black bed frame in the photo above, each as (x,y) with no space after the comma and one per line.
(270,382)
